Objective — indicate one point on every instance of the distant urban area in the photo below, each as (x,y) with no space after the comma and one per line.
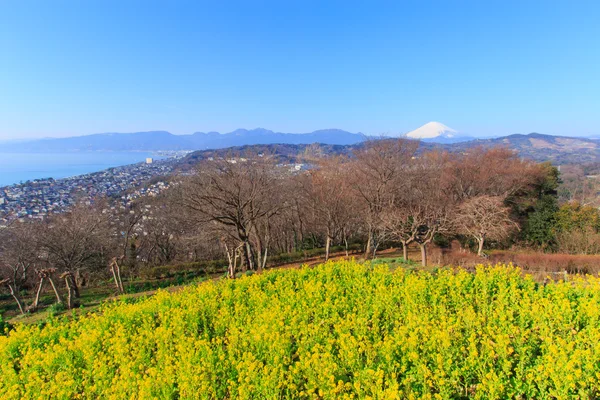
(39,198)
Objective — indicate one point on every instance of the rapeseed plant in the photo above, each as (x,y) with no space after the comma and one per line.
(338,331)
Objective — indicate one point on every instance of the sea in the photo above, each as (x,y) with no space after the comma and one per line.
(21,167)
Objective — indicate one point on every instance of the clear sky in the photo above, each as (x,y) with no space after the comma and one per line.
(481,67)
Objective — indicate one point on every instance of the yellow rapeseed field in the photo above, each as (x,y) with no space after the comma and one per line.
(340,330)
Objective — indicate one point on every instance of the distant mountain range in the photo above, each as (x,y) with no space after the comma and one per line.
(161,140)
(434,132)
(536,146)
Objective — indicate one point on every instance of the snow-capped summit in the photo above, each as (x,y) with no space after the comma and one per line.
(432,130)
(437,132)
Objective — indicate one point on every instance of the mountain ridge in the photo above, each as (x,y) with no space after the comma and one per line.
(163,140)
(537,146)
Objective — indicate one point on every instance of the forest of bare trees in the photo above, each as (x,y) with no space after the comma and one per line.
(246,209)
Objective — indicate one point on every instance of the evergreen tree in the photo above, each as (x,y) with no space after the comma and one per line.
(540,226)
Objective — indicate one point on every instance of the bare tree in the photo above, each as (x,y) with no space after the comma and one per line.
(129,224)
(233,254)
(160,238)
(326,192)
(70,284)
(497,172)
(13,292)
(43,275)
(430,203)
(484,217)
(75,241)
(18,253)
(399,223)
(240,194)
(376,171)
(115,269)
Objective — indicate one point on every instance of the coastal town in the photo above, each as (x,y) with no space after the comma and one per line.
(39,198)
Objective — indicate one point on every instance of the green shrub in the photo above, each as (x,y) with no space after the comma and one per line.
(55,308)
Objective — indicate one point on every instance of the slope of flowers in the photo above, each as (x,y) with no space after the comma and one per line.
(341,330)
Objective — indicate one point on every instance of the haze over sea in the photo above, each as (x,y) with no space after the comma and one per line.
(20,167)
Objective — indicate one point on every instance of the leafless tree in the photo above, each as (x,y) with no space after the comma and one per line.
(577,186)
(399,223)
(376,170)
(13,292)
(115,269)
(429,201)
(18,253)
(74,242)
(160,237)
(129,224)
(497,172)
(239,194)
(70,285)
(43,275)
(233,254)
(327,195)
(484,217)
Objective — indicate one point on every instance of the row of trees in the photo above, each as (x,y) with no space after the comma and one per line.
(245,209)
(386,192)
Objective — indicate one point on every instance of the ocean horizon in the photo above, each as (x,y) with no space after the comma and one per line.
(21,167)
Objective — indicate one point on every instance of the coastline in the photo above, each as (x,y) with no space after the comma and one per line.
(19,168)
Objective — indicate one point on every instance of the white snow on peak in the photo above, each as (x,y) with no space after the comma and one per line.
(431,130)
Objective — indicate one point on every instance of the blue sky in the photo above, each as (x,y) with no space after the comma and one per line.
(481,67)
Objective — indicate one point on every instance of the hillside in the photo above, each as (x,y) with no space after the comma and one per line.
(285,153)
(534,146)
(539,147)
(340,330)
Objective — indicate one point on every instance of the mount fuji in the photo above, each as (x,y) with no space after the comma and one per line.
(437,132)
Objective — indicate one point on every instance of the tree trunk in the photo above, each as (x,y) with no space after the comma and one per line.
(405,251)
(15,280)
(375,247)
(346,243)
(112,269)
(248,254)
(423,254)
(58,299)
(34,306)
(13,293)
(264,261)
(69,291)
(259,257)
(480,241)
(368,246)
(74,284)
(120,282)
(230,269)
(327,246)
(236,256)
(78,281)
